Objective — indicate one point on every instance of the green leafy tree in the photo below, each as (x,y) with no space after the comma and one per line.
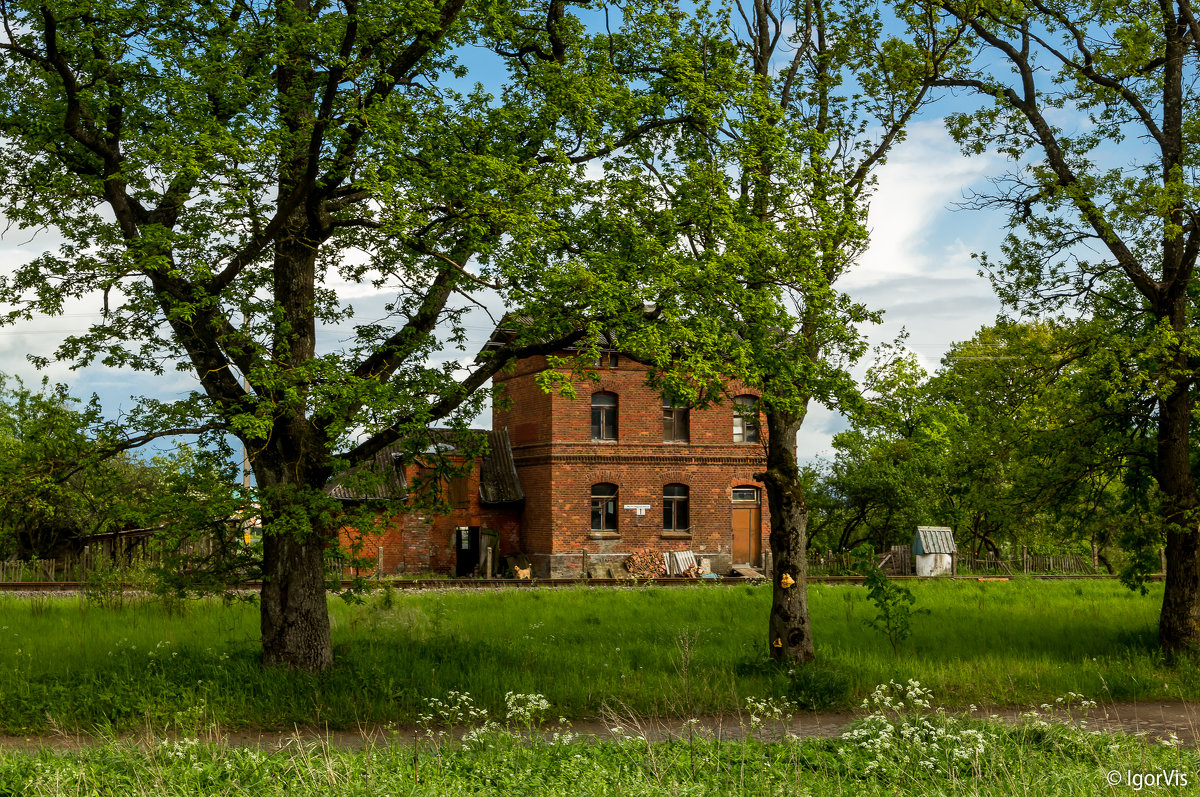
(1111,236)
(770,193)
(55,489)
(215,167)
(1042,458)
(885,475)
(1013,442)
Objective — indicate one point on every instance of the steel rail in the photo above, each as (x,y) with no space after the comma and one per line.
(508,583)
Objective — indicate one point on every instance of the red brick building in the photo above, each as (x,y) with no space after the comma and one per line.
(584,481)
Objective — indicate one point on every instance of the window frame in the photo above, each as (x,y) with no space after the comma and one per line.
(745,424)
(605,416)
(607,359)
(604,493)
(674,413)
(672,504)
(756,490)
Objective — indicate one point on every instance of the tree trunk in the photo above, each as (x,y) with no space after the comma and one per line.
(295,616)
(789,631)
(299,523)
(1179,622)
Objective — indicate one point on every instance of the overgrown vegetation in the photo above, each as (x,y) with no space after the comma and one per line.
(893,603)
(1001,444)
(902,747)
(661,652)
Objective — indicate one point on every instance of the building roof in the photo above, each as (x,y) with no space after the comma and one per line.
(933,539)
(382,477)
(506,331)
(498,481)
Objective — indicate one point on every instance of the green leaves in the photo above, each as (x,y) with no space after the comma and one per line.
(893,603)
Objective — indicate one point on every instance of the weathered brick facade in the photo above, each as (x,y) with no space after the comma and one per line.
(411,542)
(558,463)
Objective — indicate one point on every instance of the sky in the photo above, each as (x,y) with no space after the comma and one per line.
(918,270)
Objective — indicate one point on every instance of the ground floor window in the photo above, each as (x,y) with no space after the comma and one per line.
(604,507)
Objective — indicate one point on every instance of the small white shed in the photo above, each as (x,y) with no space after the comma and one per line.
(934,550)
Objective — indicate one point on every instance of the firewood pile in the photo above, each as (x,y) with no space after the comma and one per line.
(645,563)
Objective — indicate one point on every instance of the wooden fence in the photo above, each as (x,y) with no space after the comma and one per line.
(106,553)
(899,561)
(830,564)
(32,570)
(1027,563)
(73,567)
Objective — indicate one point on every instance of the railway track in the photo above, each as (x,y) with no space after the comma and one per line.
(506,583)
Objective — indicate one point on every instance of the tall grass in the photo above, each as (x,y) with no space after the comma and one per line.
(674,652)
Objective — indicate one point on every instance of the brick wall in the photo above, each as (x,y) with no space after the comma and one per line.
(558,463)
(424,543)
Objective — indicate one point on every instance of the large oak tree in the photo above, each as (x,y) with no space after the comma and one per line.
(1098,105)
(215,167)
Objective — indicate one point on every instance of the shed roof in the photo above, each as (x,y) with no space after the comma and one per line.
(382,479)
(933,539)
(498,480)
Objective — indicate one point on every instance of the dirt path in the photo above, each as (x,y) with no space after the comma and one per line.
(1155,720)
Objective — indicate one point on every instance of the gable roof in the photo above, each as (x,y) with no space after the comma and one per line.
(505,332)
(933,539)
(385,482)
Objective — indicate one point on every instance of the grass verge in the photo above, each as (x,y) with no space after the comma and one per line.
(903,747)
(660,652)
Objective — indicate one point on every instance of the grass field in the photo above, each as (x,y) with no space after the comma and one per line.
(659,651)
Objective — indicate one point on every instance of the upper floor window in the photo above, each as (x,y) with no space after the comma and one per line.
(604,416)
(675,422)
(675,508)
(745,419)
(604,507)
(607,359)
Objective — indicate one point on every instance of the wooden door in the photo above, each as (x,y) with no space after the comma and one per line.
(747,533)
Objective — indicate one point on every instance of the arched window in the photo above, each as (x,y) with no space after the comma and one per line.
(604,416)
(604,507)
(675,508)
(745,419)
(675,422)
